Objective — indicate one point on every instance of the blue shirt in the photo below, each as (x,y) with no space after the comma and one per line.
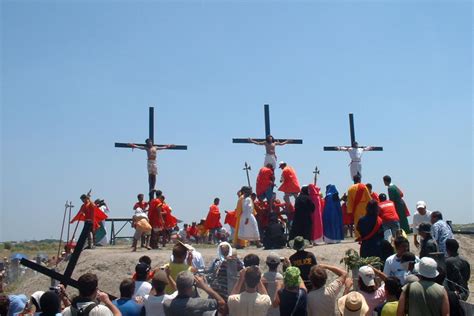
(440,232)
(128,307)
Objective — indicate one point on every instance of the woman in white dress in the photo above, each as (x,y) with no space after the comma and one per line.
(248,228)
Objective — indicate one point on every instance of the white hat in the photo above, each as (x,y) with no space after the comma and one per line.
(281,163)
(352,304)
(420,204)
(427,267)
(367,275)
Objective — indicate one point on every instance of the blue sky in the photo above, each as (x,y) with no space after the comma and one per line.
(78,76)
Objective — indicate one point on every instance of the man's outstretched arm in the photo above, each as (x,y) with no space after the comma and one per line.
(255,142)
(137,146)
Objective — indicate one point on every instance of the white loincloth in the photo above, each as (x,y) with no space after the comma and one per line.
(270,159)
(152,167)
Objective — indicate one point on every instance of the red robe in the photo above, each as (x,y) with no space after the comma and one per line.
(290,181)
(90,212)
(193,231)
(155,214)
(263,214)
(168,218)
(230,218)
(213,219)
(143,205)
(347,218)
(375,196)
(265,179)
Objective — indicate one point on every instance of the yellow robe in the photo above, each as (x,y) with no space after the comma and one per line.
(238,212)
(360,208)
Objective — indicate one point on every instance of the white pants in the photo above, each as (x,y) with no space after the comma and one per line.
(356,167)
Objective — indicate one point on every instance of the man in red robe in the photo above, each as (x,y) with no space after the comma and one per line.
(140,204)
(169,221)
(155,218)
(265,183)
(373,194)
(289,184)
(213,221)
(89,212)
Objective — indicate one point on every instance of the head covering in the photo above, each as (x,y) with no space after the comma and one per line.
(281,163)
(273,258)
(142,268)
(352,304)
(291,277)
(35,299)
(367,275)
(427,267)
(17,303)
(220,256)
(184,280)
(299,243)
(420,204)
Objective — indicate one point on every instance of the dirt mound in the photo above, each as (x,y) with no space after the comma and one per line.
(112,264)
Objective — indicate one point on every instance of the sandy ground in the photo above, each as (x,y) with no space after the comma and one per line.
(112,264)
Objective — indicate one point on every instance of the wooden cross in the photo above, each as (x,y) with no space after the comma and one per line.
(316,172)
(65,278)
(353,141)
(247,168)
(267,132)
(151,126)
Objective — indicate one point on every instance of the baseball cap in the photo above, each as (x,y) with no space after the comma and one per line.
(142,268)
(281,163)
(427,267)
(367,275)
(352,304)
(420,204)
(273,258)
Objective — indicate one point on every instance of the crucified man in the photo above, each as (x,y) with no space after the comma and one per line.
(270,144)
(151,151)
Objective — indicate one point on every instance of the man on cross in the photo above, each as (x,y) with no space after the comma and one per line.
(269,143)
(355,152)
(151,151)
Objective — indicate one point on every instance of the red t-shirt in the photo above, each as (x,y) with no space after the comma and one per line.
(388,212)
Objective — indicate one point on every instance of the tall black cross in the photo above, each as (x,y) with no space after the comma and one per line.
(353,140)
(151,177)
(151,128)
(267,132)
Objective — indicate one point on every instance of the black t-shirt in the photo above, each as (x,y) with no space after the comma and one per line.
(304,260)
(288,301)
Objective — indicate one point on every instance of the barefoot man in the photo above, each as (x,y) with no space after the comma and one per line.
(269,143)
(151,151)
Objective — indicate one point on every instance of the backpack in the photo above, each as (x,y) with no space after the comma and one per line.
(83,311)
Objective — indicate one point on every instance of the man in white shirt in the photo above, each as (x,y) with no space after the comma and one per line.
(322,299)
(88,296)
(254,300)
(422,215)
(393,265)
